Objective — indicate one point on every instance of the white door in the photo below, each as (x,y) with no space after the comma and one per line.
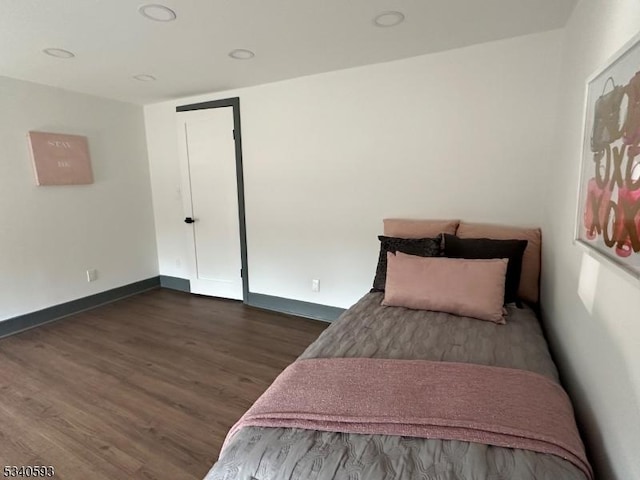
(208,162)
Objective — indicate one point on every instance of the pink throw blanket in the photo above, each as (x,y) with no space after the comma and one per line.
(416,398)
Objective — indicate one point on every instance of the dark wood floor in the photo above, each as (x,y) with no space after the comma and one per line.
(144,388)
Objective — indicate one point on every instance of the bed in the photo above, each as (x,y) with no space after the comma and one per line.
(369,330)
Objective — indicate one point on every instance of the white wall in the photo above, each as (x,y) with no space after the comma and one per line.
(592,310)
(50,236)
(457,134)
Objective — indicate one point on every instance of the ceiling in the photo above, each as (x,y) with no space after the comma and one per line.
(113,42)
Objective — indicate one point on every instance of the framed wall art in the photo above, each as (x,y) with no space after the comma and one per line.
(60,159)
(608,217)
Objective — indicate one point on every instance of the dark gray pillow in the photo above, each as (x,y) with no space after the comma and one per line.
(421,247)
(485,248)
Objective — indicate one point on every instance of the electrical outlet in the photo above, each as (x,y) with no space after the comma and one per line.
(92,275)
(315,285)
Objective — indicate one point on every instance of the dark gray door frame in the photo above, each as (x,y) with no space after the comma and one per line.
(237,135)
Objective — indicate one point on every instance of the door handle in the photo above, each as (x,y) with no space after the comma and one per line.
(189,220)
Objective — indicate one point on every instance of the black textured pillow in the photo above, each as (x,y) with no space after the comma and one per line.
(421,247)
(485,248)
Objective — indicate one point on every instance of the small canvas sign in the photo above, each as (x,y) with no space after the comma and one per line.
(60,159)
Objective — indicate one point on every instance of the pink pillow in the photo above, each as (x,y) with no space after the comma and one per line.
(530,276)
(403,228)
(469,288)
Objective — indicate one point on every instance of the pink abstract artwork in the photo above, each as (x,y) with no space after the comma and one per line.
(60,159)
(608,220)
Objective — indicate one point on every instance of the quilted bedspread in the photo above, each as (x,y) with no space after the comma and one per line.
(368,330)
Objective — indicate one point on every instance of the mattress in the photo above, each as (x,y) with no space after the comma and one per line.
(369,330)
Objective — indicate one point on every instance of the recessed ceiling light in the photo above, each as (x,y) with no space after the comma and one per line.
(143,77)
(241,54)
(58,52)
(158,13)
(388,19)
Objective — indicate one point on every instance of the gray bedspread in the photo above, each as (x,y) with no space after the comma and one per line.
(370,330)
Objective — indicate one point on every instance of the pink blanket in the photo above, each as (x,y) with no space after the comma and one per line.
(417,398)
